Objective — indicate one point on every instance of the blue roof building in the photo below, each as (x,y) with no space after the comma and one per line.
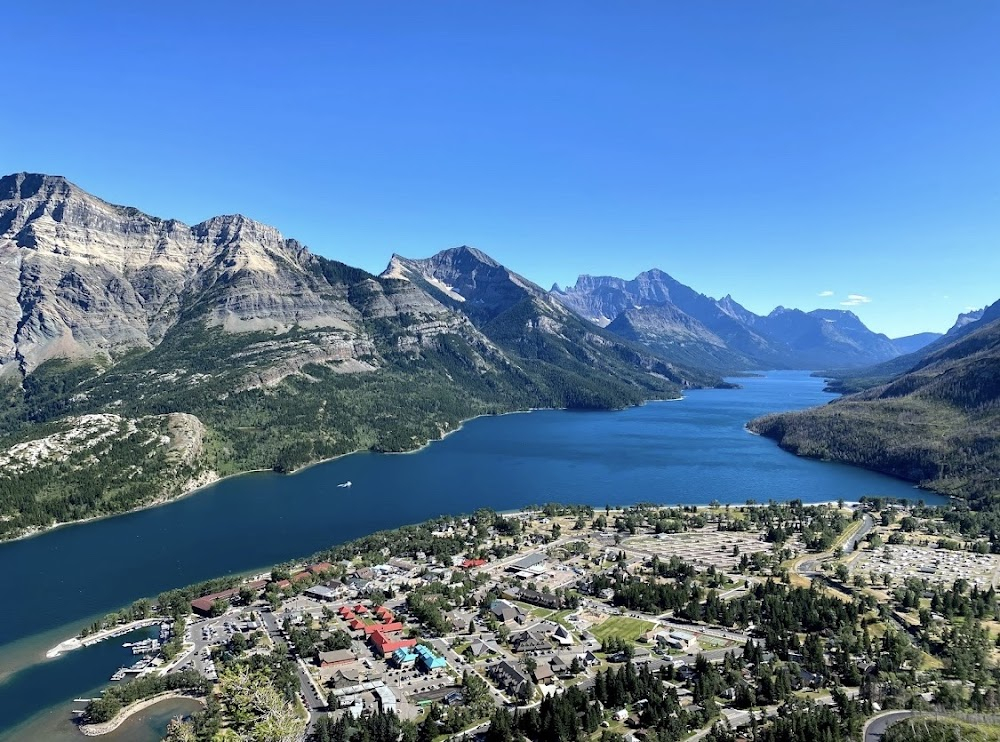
(403,657)
(428,660)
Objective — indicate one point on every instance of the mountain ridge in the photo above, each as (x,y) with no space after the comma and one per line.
(784,338)
(279,357)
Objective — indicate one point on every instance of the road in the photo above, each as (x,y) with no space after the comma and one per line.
(810,567)
(876,726)
(312,698)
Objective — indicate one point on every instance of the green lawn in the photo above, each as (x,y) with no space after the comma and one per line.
(629,629)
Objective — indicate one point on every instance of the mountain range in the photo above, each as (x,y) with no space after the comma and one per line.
(141,356)
(274,357)
(720,334)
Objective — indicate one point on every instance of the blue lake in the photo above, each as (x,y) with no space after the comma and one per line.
(691,451)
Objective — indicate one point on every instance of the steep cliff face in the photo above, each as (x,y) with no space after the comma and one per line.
(82,278)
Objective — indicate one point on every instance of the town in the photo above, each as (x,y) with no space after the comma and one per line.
(737,612)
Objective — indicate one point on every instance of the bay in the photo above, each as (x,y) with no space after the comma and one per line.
(691,451)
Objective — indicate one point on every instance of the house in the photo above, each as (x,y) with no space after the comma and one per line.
(589,659)
(543,674)
(562,636)
(545,600)
(620,715)
(529,641)
(335,658)
(506,611)
(473,563)
(562,666)
(508,676)
(319,568)
(479,647)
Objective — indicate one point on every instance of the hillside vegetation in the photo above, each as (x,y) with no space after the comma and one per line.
(937,425)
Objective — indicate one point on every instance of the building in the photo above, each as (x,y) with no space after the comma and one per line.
(322,592)
(543,674)
(428,660)
(473,563)
(506,611)
(509,676)
(545,600)
(336,658)
(203,605)
(529,641)
(386,699)
(404,658)
(479,647)
(562,636)
(385,644)
(319,568)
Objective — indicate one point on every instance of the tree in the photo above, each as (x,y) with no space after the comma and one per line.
(501,727)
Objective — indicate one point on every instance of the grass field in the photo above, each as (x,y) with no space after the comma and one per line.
(629,629)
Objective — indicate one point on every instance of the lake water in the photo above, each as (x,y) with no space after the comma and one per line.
(691,451)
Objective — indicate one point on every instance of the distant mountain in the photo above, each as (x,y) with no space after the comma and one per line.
(203,350)
(937,424)
(523,319)
(913,343)
(681,323)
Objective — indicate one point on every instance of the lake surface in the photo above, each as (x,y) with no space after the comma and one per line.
(691,451)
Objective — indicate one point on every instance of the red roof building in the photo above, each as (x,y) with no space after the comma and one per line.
(344,610)
(357,625)
(471,563)
(319,568)
(360,609)
(386,644)
(203,605)
(385,627)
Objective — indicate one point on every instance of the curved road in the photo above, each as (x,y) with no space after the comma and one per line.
(876,726)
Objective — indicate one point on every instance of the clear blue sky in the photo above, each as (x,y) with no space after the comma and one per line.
(771,150)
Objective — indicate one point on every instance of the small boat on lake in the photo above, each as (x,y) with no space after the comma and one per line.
(348,483)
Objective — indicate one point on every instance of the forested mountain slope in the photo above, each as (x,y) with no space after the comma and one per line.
(272,356)
(852,380)
(938,424)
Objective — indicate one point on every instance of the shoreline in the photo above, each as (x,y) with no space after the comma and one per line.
(77,641)
(106,727)
(216,479)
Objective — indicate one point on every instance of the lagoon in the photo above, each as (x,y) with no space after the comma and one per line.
(685,452)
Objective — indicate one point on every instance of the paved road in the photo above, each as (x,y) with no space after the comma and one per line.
(311,698)
(876,726)
(811,567)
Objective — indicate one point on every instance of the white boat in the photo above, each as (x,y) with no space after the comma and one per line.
(346,484)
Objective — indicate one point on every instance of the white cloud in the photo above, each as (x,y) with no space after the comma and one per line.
(825,293)
(854,300)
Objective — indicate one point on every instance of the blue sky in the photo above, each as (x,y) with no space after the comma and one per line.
(775,150)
